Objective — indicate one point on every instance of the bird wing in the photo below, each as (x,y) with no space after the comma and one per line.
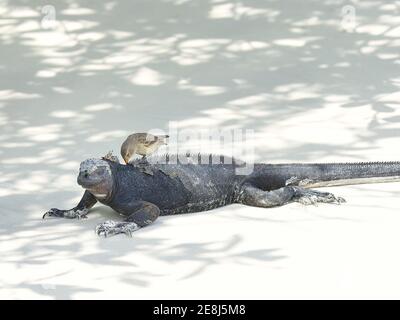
(149,143)
(149,139)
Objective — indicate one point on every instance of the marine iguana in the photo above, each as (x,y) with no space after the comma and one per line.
(184,187)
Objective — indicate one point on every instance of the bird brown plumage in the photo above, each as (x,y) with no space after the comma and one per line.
(141,143)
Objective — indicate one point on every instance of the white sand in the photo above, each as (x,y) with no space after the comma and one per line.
(311,91)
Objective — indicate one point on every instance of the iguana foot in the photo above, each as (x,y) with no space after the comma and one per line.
(111,228)
(308,197)
(69,214)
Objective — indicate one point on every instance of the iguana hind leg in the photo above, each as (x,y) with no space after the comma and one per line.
(254,196)
(143,214)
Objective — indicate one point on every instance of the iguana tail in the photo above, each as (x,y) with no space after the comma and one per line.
(329,174)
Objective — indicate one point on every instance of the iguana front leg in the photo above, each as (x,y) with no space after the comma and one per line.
(254,196)
(80,211)
(139,214)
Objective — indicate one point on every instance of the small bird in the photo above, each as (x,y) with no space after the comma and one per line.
(141,143)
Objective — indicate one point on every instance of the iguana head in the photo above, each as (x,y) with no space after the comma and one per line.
(96,177)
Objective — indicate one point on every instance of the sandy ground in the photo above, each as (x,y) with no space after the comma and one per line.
(311,84)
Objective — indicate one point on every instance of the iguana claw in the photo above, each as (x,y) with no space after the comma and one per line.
(53,212)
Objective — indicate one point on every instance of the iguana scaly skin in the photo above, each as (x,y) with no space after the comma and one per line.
(192,187)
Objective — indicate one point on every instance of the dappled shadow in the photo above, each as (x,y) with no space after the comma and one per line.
(49,246)
(307,88)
